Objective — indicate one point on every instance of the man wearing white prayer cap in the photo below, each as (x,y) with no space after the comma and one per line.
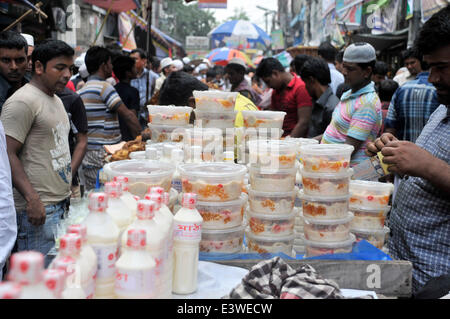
(30,41)
(167,67)
(178,64)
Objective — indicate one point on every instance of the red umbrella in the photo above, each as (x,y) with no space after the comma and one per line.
(117,5)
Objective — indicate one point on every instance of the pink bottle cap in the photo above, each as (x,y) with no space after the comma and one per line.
(156,189)
(10,290)
(65,263)
(136,238)
(54,280)
(26,267)
(157,198)
(189,200)
(123,180)
(146,209)
(113,189)
(70,244)
(136,197)
(78,229)
(98,202)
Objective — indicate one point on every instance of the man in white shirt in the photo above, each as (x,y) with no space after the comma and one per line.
(328,52)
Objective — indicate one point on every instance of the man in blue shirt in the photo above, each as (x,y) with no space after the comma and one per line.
(328,52)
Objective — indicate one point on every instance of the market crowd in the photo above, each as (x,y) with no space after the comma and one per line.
(58,113)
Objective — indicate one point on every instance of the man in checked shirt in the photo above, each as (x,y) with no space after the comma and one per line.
(420,216)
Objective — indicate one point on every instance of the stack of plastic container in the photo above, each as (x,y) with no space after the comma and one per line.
(204,144)
(220,201)
(272,194)
(369,203)
(326,173)
(167,122)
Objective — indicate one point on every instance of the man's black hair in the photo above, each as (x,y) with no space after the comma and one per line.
(188,68)
(50,49)
(235,67)
(142,53)
(13,40)
(339,56)
(219,69)
(435,33)
(299,61)
(387,89)
(121,65)
(95,57)
(317,69)
(211,73)
(366,65)
(327,51)
(380,68)
(411,53)
(267,66)
(178,87)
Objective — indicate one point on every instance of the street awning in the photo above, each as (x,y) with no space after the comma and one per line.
(383,41)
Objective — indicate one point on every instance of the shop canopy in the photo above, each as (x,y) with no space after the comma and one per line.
(116,6)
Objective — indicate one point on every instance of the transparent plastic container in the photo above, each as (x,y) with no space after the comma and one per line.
(324,207)
(213,182)
(369,218)
(299,141)
(207,138)
(167,133)
(271,225)
(267,119)
(326,158)
(272,203)
(137,155)
(222,215)
(272,153)
(225,241)
(267,180)
(326,184)
(142,174)
(370,195)
(314,248)
(327,230)
(215,101)
(376,237)
(169,114)
(222,120)
(264,244)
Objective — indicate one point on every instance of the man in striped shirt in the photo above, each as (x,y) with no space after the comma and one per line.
(103,107)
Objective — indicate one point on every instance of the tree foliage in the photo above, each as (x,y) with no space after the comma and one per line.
(238,14)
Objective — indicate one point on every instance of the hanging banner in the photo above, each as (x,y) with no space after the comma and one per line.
(349,12)
(212,4)
(126,30)
(384,20)
(409,9)
(327,6)
(277,39)
(430,7)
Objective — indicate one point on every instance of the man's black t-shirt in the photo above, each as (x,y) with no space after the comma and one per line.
(130,97)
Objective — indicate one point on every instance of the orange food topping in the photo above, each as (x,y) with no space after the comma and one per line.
(187,187)
(314,210)
(269,203)
(255,226)
(210,190)
(308,183)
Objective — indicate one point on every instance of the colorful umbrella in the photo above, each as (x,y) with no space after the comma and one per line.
(240,29)
(221,56)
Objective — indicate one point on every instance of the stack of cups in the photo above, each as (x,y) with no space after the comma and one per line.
(203,145)
(167,122)
(325,172)
(272,194)
(369,204)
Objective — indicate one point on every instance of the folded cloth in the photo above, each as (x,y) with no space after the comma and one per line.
(275,279)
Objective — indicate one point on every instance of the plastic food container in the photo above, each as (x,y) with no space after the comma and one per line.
(370,195)
(262,245)
(369,218)
(263,119)
(267,180)
(299,141)
(374,236)
(327,230)
(137,155)
(324,207)
(169,114)
(225,241)
(272,153)
(213,182)
(214,101)
(271,225)
(222,120)
(167,133)
(207,138)
(314,248)
(142,174)
(326,158)
(222,215)
(326,184)
(272,203)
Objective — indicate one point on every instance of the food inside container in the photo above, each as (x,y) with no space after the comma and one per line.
(314,248)
(167,133)
(370,195)
(222,215)
(213,182)
(169,114)
(369,218)
(271,225)
(226,241)
(207,138)
(215,101)
(222,120)
(272,153)
(326,158)
(263,119)
(324,207)
(376,237)
(267,180)
(326,184)
(327,230)
(262,244)
(278,203)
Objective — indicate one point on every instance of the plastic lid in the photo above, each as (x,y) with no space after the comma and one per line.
(347,173)
(326,149)
(10,290)
(70,244)
(137,155)
(189,200)
(215,115)
(336,244)
(113,189)
(253,192)
(370,185)
(303,196)
(302,140)
(151,153)
(223,231)
(79,229)
(54,280)
(240,201)
(140,169)
(272,146)
(65,263)
(295,212)
(211,170)
(381,231)
(146,209)
(156,197)
(270,170)
(98,202)
(168,109)
(356,208)
(177,155)
(136,238)
(269,239)
(264,114)
(167,150)
(329,221)
(26,267)
(123,181)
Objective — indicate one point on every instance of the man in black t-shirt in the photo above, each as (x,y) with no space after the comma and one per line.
(125,70)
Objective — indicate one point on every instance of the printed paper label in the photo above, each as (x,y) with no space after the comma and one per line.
(106,260)
(135,281)
(187,231)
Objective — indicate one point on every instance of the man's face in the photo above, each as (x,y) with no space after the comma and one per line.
(56,74)
(339,66)
(140,63)
(439,62)
(377,78)
(108,68)
(30,62)
(413,66)
(274,81)
(354,74)
(310,84)
(13,64)
(133,72)
(234,77)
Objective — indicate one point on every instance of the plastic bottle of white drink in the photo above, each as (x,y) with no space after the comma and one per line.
(54,281)
(10,290)
(187,236)
(117,208)
(103,236)
(135,269)
(127,197)
(177,158)
(27,269)
(71,278)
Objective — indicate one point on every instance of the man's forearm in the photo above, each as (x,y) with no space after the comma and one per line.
(300,129)
(438,174)
(79,152)
(133,124)
(20,179)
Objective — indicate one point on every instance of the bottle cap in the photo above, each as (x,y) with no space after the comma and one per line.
(54,280)
(26,267)
(79,229)
(98,202)
(151,153)
(136,238)
(166,199)
(123,180)
(189,200)
(65,263)
(146,209)
(157,198)
(113,189)
(9,290)
(156,189)
(70,244)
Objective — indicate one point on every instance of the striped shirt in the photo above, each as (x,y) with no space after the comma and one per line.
(411,107)
(358,115)
(101,102)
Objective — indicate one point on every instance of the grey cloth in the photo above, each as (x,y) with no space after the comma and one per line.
(322,112)
(360,52)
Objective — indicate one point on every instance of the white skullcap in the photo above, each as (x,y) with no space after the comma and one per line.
(178,64)
(166,62)
(29,38)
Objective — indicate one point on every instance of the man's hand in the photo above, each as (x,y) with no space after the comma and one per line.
(374,147)
(36,211)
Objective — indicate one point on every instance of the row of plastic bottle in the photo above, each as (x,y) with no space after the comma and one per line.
(125,248)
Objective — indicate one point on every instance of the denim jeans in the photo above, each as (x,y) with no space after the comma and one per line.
(40,238)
